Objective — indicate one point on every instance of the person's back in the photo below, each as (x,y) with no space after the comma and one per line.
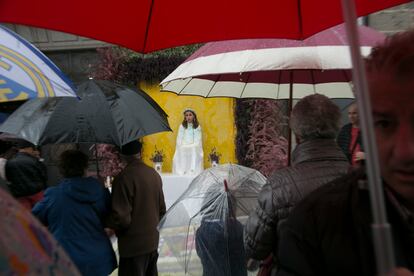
(74,211)
(219,238)
(137,207)
(137,232)
(341,211)
(310,169)
(82,202)
(220,248)
(316,161)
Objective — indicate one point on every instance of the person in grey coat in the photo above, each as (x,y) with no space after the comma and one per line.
(316,160)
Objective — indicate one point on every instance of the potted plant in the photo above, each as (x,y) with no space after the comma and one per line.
(214,157)
(157,157)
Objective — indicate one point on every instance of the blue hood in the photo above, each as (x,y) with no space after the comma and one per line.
(82,189)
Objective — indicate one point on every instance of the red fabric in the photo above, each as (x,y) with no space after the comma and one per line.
(334,36)
(145,25)
(266,266)
(352,147)
(29,201)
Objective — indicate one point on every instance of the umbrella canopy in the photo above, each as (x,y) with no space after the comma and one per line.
(24,237)
(266,68)
(203,229)
(107,113)
(148,25)
(27,73)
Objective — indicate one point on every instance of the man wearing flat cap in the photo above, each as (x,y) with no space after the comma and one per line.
(137,207)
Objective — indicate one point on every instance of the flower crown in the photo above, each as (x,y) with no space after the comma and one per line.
(188,109)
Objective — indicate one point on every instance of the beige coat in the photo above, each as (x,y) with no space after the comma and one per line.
(137,207)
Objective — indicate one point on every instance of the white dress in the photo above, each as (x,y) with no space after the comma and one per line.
(188,156)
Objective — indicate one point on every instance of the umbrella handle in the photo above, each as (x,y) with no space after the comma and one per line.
(383,242)
(226,187)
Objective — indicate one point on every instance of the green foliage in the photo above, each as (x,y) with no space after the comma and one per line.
(129,68)
(267,147)
(242,118)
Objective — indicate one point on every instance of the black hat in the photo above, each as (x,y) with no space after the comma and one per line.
(131,148)
(21,144)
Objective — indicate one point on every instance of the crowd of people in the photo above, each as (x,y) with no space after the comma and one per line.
(312,218)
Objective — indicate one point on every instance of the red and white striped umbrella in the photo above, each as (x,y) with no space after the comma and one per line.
(265,68)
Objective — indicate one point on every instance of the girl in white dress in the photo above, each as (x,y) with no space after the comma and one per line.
(188,156)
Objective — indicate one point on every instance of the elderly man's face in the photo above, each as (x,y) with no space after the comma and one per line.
(393,111)
(353,115)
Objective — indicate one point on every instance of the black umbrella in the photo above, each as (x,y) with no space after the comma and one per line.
(106,113)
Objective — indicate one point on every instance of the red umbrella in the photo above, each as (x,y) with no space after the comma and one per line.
(147,25)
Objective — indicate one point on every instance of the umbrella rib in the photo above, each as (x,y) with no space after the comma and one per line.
(278,84)
(148,26)
(300,18)
(313,81)
(246,176)
(349,80)
(212,87)
(48,123)
(186,245)
(344,72)
(243,207)
(245,84)
(182,89)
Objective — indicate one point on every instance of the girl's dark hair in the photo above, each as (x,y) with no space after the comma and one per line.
(195,121)
(73,163)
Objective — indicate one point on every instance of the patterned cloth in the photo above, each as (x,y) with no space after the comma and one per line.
(26,248)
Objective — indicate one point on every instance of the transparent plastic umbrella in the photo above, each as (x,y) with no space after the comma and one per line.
(203,230)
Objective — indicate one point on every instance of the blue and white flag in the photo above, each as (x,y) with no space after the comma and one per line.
(27,73)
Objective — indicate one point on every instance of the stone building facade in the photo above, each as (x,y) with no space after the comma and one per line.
(393,20)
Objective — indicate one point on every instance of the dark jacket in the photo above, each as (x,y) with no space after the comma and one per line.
(329,233)
(220,248)
(314,163)
(73,212)
(26,174)
(344,140)
(137,207)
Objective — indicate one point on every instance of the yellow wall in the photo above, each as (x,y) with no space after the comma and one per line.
(215,115)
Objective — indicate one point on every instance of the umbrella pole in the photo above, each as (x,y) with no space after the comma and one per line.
(381,229)
(97,161)
(290,112)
